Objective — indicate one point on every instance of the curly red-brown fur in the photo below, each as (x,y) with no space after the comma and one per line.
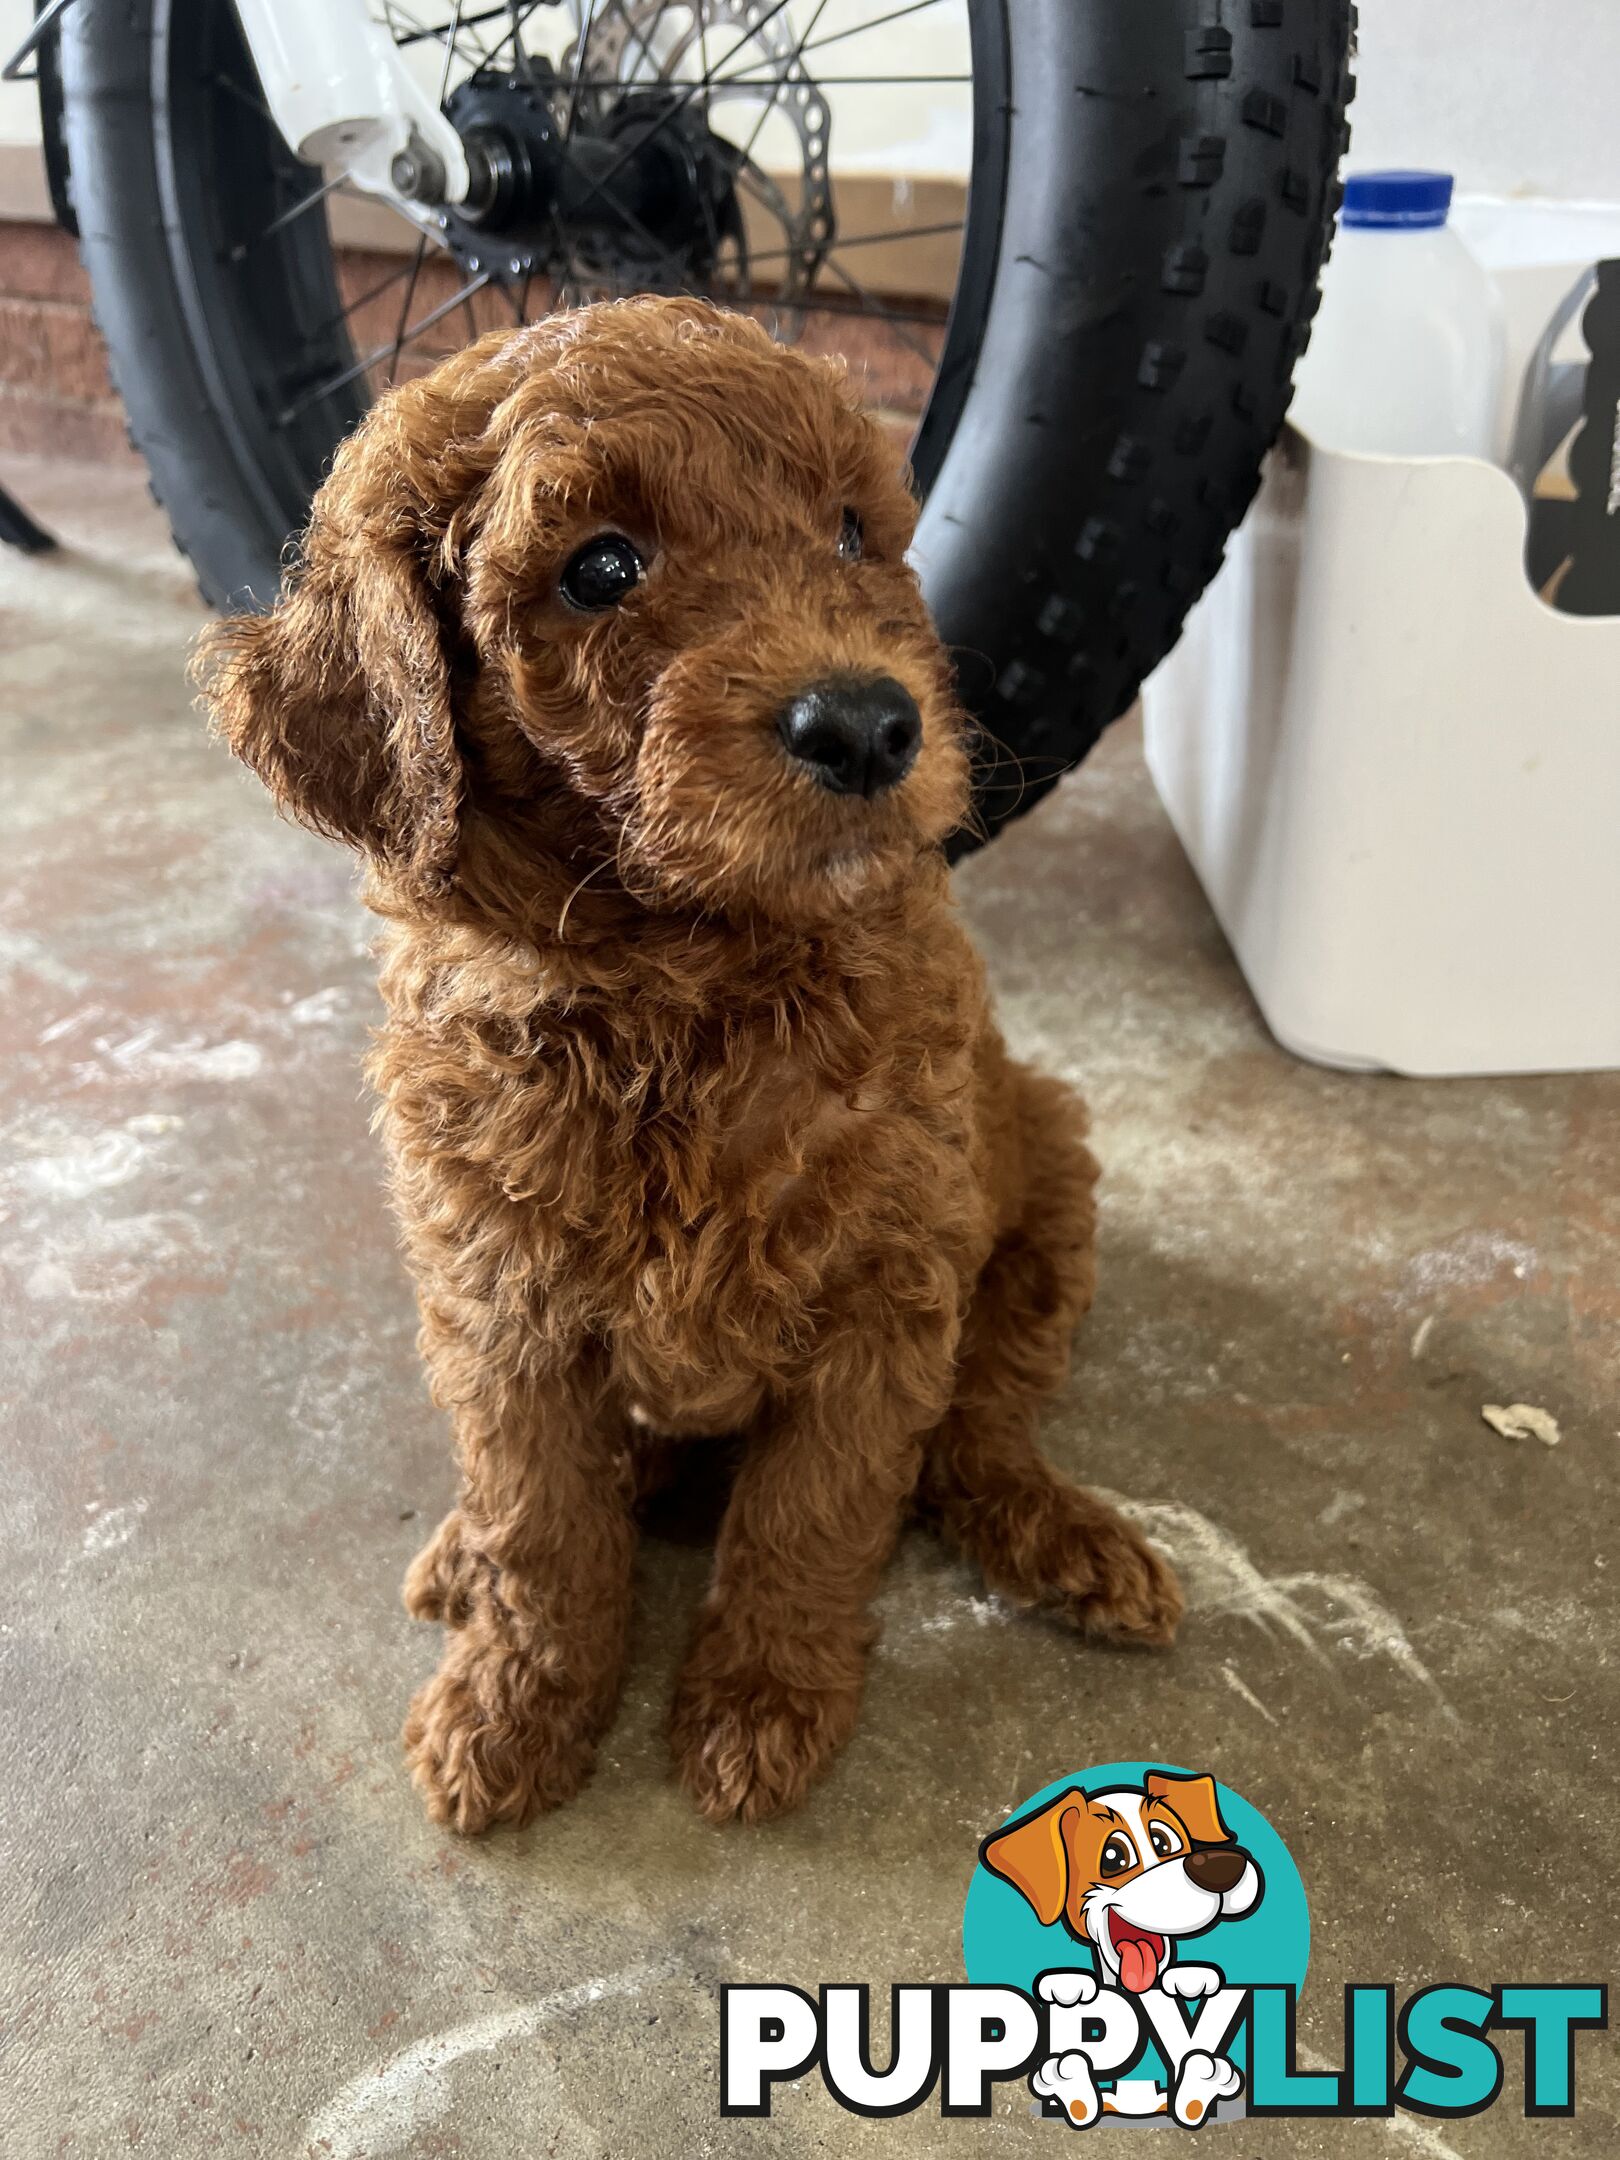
(697,1117)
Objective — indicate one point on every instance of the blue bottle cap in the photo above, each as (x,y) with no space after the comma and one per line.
(1404,201)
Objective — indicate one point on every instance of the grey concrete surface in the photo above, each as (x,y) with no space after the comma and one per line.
(225,1925)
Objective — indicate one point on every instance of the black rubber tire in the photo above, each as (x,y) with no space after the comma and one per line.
(155,152)
(1154,191)
(1173,190)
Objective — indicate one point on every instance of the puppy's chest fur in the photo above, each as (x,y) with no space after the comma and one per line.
(688,1181)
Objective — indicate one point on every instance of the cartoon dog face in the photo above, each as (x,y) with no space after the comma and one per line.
(1129,1871)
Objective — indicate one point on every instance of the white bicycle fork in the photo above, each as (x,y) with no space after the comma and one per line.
(343,97)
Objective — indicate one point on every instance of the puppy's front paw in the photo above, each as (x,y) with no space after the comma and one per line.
(748,1745)
(485,1747)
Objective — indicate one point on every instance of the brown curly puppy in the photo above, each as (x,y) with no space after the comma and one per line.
(604,651)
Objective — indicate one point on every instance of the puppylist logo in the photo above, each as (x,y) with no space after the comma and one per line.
(1135,1940)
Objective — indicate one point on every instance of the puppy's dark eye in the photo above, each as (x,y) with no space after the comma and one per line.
(1118,1855)
(851,537)
(600,575)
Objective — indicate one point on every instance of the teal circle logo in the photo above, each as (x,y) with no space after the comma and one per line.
(1126,1895)
(1007,1941)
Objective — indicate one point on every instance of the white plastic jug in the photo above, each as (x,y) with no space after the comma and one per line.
(1406,358)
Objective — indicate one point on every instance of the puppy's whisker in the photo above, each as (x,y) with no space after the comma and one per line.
(562,919)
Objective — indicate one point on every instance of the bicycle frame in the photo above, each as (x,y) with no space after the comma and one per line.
(343,97)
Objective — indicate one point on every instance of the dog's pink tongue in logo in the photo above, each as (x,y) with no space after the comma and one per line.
(1140,1954)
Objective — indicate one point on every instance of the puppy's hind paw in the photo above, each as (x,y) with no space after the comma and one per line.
(439,1581)
(1117,1586)
(1066,2083)
(1204,2079)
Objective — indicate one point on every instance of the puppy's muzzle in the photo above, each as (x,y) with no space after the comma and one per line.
(1217,1869)
(853,734)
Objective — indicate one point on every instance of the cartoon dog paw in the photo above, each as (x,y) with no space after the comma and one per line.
(1201,2082)
(1068,1988)
(1191,1982)
(1067,2079)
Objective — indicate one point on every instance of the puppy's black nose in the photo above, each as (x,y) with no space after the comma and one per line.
(1216,1868)
(857,734)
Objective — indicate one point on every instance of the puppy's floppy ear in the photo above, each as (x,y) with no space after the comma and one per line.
(1194,1800)
(340,699)
(1033,1855)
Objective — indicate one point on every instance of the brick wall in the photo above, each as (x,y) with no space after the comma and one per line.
(54,391)
(55,394)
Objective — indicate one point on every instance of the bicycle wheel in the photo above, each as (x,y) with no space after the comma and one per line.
(1091,353)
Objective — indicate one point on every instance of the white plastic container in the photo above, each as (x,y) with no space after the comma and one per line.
(1395,769)
(1406,356)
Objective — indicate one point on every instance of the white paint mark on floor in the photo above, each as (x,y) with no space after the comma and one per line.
(68,1022)
(320,1008)
(387,2107)
(1474,1258)
(1309,1609)
(967,1611)
(102,1260)
(145,1056)
(113,1527)
(1421,1334)
(91,1163)
(1362,1625)
(54,1162)
(1342,1504)
(22,953)
(153,1124)
(1241,1688)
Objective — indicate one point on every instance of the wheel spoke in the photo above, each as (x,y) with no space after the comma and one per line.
(641,37)
(834,37)
(836,82)
(519,24)
(851,311)
(372,292)
(875,306)
(405,306)
(418,32)
(449,54)
(392,347)
(520,57)
(575,85)
(871,239)
(793,60)
(287,217)
(244,97)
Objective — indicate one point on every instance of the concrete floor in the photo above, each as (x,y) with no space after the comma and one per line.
(224,1922)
